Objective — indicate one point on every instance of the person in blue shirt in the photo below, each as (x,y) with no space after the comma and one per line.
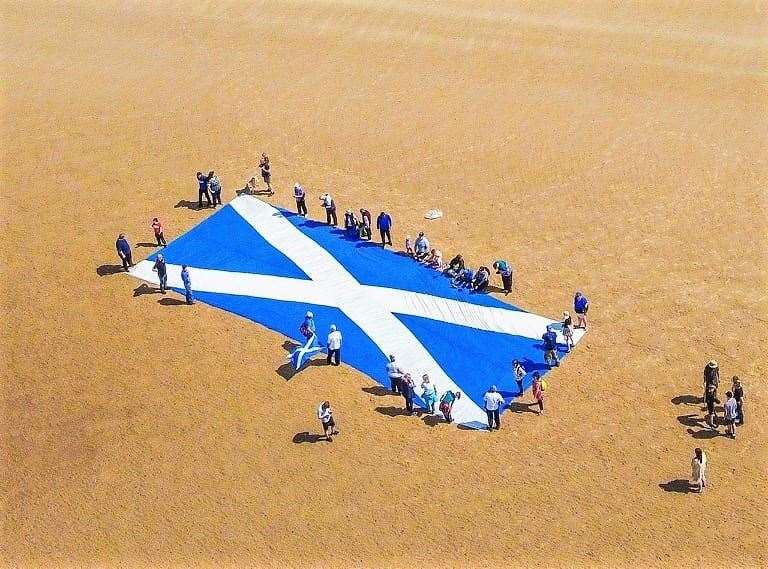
(384,225)
(503,269)
(202,190)
(307,327)
(550,347)
(187,284)
(580,307)
(124,251)
(162,272)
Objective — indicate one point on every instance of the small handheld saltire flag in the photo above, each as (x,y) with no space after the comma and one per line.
(272,266)
(302,354)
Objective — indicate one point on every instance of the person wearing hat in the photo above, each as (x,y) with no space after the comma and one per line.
(162,272)
(446,404)
(395,374)
(550,347)
(581,307)
(568,331)
(493,402)
(428,393)
(738,395)
(334,346)
(307,327)
(299,195)
(330,209)
(711,377)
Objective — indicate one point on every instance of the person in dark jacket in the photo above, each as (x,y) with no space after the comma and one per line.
(455,267)
(384,225)
(503,269)
(550,347)
(365,220)
(162,272)
(738,395)
(711,376)
(124,251)
(202,190)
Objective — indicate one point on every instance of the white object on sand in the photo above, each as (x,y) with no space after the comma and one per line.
(433,214)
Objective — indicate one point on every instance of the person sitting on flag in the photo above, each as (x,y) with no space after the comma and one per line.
(408,246)
(307,327)
(435,260)
(464,278)
(481,280)
(455,267)
(421,247)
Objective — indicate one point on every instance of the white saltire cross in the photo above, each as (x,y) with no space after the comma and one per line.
(372,308)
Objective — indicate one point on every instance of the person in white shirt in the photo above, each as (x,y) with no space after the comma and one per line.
(330,209)
(731,409)
(493,402)
(334,346)
(325,414)
(698,470)
(395,374)
(421,247)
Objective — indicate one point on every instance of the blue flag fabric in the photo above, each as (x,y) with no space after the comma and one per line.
(302,354)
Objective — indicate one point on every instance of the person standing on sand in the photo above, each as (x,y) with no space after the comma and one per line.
(215,186)
(538,391)
(395,374)
(581,307)
(493,402)
(157,227)
(162,272)
(550,347)
(187,284)
(124,251)
(710,400)
(503,269)
(202,190)
(428,393)
(330,209)
(365,217)
(698,471)
(446,404)
(325,414)
(300,196)
(738,395)
(408,389)
(731,411)
(711,376)
(568,331)
(519,371)
(334,346)
(266,172)
(384,225)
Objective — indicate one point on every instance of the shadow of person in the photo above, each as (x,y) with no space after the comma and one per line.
(105,270)
(290,345)
(433,420)
(392,411)
(144,288)
(147,244)
(680,486)
(307,437)
(189,205)
(687,400)
(704,434)
(692,420)
(287,371)
(377,390)
(171,302)
(517,407)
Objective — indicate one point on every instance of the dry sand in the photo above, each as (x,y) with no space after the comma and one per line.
(617,148)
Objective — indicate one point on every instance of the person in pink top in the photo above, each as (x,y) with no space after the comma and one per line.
(157,227)
(538,391)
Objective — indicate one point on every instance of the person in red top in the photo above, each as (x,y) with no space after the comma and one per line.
(158,229)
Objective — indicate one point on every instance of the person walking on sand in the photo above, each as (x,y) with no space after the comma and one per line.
(698,471)
(124,251)
(187,284)
(300,196)
(202,190)
(334,346)
(330,209)
(519,371)
(505,270)
(157,227)
(568,331)
(493,402)
(395,374)
(581,307)
(408,390)
(550,347)
(266,172)
(428,393)
(384,225)
(711,376)
(738,395)
(538,389)
(446,404)
(325,414)
(162,273)
(731,411)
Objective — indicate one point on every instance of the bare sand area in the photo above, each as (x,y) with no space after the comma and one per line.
(616,148)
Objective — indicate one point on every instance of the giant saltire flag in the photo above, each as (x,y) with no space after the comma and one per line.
(272,266)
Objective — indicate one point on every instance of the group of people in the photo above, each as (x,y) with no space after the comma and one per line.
(208,187)
(401,383)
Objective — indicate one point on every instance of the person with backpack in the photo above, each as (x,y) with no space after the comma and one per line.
(550,347)
(581,307)
(325,414)
(446,404)
(202,190)
(538,388)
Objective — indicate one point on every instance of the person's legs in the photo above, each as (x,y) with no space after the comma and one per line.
(541,406)
(497,417)
(327,216)
(329,357)
(389,237)
(124,261)
(740,412)
(163,282)
(383,240)
(337,357)
(200,198)
(490,419)
(507,281)
(190,298)
(519,386)
(129,257)
(333,215)
(393,385)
